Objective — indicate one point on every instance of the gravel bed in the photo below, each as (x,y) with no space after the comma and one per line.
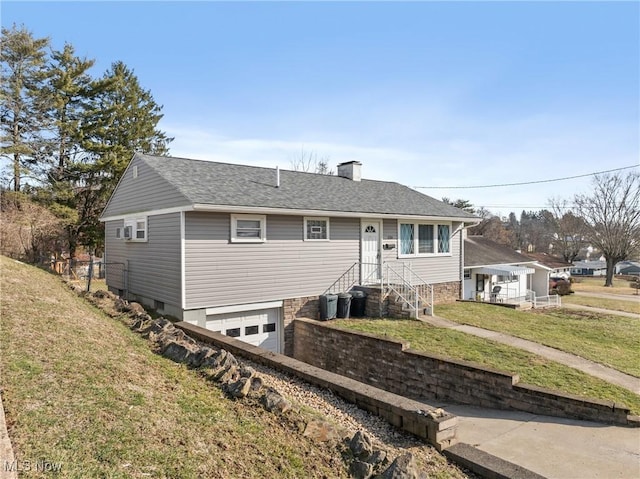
(351,418)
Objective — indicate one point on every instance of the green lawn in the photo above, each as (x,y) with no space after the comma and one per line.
(606,339)
(531,368)
(612,304)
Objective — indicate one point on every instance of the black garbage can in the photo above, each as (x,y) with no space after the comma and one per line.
(344,304)
(328,306)
(358,303)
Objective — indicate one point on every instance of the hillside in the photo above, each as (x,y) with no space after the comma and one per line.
(83,392)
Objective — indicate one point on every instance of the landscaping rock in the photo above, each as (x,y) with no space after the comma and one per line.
(256,385)
(180,351)
(361,445)
(240,388)
(136,308)
(377,457)
(220,359)
(247,371)
(153,327)
(274,402)
(361,470)
(404,467)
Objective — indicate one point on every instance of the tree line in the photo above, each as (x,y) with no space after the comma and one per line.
(67,134)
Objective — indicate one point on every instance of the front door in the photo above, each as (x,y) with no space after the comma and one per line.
(480,285)
(370,252)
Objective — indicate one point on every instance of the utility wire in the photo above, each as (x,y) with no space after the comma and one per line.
(526,182)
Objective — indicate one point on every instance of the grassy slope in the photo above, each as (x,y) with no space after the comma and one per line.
(81,390)
(604,303)
(607,339)
(531,368)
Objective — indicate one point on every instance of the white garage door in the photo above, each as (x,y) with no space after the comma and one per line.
(260,327)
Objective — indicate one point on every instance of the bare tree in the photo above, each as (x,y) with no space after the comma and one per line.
(310,163)
(612,215)
(569,230)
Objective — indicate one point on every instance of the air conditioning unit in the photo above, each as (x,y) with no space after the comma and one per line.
(127,232)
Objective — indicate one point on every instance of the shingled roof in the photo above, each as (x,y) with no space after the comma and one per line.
(224,184)
(480,251)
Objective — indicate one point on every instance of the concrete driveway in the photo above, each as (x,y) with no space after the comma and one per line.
(555,448)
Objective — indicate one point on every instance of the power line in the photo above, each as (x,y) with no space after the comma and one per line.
(526,182)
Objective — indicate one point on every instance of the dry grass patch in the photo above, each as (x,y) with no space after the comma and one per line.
(596,285)
(82,391)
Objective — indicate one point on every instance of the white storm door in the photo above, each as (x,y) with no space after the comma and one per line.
(370,252)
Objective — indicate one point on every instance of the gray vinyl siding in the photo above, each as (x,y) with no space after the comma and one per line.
(433,269)
(222,273)
(153,267)
(149,191)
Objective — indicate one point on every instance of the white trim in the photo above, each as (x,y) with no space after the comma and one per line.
(239,308)
(380,225)
(416,245)
(164,211)
(234,228)
(183,266)
(315,218)
(292,212)
(132,222)
(344,214)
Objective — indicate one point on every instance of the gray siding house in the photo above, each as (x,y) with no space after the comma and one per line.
(244,250)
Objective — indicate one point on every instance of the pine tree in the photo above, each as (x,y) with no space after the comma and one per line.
(22,104)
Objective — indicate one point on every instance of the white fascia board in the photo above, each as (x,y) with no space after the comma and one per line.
(240,308)
(164,211)
(290,212)
(334,214)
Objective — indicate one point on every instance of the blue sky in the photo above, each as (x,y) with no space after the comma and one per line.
(431,94)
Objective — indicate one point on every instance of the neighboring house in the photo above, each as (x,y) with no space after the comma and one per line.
(499,274)
(244,250)
(589,268)
(558,268)
(631,268)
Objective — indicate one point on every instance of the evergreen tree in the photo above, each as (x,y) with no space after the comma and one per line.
(22,104)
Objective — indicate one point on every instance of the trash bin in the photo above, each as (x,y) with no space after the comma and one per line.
(344,304)
(358,302)
(328,306)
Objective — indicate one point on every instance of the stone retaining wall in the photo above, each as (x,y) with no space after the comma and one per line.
(393,366)
(434,425)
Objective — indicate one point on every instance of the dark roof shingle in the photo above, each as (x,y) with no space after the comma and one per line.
(207,182)
(480,251)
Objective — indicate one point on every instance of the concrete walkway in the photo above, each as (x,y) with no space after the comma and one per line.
(590,367)
(6,450)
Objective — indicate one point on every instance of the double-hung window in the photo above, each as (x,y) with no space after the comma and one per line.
(134,229)
(421,239)
(316,229)
(248,228)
